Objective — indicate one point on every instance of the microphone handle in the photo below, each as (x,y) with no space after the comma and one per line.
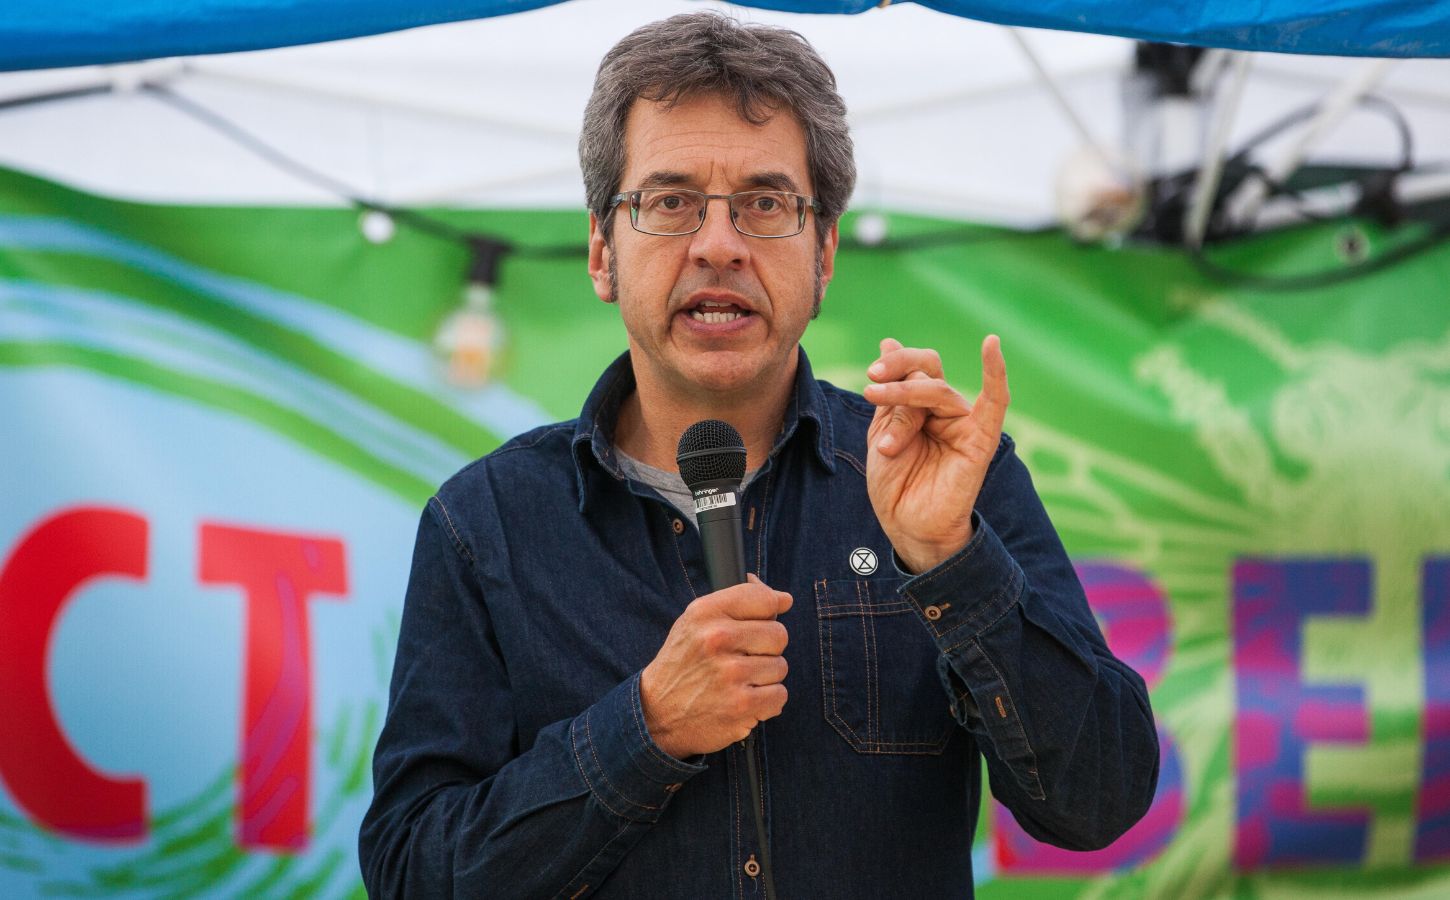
(724,547)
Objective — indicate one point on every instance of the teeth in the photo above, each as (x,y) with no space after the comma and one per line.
(713,318)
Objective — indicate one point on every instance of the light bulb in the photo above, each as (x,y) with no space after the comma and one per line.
(471,338)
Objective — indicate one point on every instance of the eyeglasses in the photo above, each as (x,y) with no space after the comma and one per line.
(672,211)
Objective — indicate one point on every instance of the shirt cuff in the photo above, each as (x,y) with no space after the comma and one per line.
(625,769)
(968,591)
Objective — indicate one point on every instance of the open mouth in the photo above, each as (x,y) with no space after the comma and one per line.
(717,316)
(712,312)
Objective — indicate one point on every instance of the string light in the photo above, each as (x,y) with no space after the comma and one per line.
(470,340)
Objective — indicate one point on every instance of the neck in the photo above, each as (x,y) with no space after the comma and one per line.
(652,419)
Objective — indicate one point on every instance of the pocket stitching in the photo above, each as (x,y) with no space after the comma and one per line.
(873,675)
(827,649)
(870,623)
(826,646)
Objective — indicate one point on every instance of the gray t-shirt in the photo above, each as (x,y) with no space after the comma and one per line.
(669,484)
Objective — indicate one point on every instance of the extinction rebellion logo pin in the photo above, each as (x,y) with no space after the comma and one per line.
(863,561)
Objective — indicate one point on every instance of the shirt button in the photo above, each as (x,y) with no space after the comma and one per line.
(932,613)
(752,868)
(671,788)
(679,527)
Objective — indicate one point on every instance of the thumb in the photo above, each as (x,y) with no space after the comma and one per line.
(784,601)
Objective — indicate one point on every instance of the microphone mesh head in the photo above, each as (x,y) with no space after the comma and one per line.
(709,451)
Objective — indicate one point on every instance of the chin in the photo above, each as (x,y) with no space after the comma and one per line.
(726,376)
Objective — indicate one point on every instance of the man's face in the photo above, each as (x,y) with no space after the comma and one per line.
(673,291)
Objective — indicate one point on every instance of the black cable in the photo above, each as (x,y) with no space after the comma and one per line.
(440,229)
(1171,192)
(239,135)
(1437,234)
(424,223)
(1371,101)
(758,803)
(1380,182)
(53,96)
(950,237)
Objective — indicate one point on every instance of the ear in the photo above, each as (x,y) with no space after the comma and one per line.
(828,255)
(599,254)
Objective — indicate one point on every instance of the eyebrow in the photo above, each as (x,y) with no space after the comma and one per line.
(774,181)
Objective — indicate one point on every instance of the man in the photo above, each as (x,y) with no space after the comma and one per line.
(569,699)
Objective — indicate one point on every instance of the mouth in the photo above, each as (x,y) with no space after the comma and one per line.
(717,309)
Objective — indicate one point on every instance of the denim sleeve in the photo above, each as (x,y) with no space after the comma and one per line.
(1065,726)
(459,808)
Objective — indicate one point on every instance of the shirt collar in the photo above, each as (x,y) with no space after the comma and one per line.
(593,441)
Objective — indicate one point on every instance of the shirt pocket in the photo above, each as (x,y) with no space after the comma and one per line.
(879,685)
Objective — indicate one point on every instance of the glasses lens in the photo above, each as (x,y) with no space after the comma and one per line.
(767,213)
(666,211)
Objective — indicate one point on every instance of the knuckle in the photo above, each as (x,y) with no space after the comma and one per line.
(740,706)
(712,639)
(737,670)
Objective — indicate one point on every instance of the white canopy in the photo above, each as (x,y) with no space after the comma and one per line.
(950,116)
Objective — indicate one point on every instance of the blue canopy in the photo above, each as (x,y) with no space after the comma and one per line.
(37,34)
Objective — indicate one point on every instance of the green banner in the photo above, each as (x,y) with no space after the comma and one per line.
(1253,483)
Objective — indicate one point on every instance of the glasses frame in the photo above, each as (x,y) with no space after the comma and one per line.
(809,204)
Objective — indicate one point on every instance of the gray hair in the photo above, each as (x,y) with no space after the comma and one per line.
(759,67)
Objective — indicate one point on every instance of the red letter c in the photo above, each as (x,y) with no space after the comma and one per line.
(45,774)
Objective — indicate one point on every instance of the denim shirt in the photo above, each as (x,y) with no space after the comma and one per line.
(515,762)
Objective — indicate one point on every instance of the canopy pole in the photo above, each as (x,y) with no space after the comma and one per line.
(121,78)
(1250,197)
(292,84)
(1205,186)
(1066,108)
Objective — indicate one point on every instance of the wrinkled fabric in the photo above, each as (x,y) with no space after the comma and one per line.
(515,762)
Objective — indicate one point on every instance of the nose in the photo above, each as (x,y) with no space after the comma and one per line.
(717,245)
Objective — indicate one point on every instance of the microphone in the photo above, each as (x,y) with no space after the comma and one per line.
(711,457)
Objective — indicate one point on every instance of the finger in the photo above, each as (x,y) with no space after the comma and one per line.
(887,345)
(903,424)
(896,426)
(991,405)
(931,394)
(784,600)
(768,701)
(752,600)
(760,671)
(759,638)
(895,365)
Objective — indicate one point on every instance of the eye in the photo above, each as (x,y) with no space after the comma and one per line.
(671,202)
(766,203)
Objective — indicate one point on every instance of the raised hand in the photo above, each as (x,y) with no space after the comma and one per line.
(928,449)
(719,671)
